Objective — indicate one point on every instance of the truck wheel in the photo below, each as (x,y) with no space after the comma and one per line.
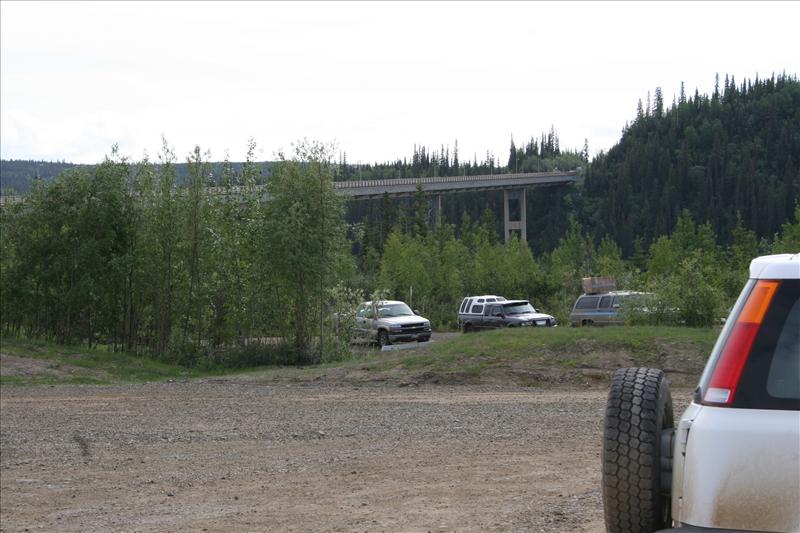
(383,338)
(468,328)
(639,409)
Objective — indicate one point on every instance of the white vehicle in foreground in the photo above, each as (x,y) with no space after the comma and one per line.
(733,461)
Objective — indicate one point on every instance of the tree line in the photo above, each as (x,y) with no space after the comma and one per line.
(541,154)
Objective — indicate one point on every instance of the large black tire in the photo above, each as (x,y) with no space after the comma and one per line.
(383,338)
(638,410)
(468,328)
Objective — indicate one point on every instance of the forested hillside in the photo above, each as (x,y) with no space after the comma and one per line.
(734,153)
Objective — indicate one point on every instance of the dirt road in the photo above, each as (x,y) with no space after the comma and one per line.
(244,456)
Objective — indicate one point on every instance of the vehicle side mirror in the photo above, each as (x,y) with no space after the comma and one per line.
(416,312)
(502,315)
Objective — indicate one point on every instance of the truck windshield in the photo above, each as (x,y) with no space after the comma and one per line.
(390,310)
(519,308)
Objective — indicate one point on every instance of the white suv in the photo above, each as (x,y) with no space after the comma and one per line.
(733,462)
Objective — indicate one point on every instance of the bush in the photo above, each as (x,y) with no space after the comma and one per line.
(250,355)
(688,296)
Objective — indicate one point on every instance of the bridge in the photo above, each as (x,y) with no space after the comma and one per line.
(512,185)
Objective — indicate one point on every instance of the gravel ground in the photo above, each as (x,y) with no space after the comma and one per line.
(222,455)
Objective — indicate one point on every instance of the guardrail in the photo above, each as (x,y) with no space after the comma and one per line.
(451,179)
(366,189)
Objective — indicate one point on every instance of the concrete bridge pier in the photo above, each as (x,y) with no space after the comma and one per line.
(515,219)
(435,215)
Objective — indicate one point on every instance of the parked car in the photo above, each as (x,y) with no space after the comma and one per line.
(606,308)
(389,321)
(490,312)
(472,307)
(732,462)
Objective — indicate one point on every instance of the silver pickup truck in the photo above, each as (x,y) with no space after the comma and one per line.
(389,321)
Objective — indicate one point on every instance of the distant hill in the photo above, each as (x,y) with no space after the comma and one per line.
(16,176)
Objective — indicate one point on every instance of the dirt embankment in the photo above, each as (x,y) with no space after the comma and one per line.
(584,364)
(29,367)
(245,456)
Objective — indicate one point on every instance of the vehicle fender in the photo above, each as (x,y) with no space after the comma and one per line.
(679,456)
(742,470)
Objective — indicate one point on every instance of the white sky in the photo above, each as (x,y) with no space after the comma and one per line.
(376,78)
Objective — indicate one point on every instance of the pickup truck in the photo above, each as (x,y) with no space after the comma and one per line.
(503,314)
(390,321)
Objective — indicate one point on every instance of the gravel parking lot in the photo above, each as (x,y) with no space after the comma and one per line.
(227,455)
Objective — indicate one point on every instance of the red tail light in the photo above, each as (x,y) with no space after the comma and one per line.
(725,378)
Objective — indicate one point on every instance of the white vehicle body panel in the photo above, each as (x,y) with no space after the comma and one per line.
(401,320)
(539,318)
(783,266)
(737,469)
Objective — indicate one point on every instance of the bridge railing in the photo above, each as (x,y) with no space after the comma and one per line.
(448,179)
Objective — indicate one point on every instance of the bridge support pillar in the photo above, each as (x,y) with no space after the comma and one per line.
(514,216)
(434,209)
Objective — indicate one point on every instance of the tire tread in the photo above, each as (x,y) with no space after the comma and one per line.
(632,497)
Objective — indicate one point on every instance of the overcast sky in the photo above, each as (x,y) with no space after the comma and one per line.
(376,78)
